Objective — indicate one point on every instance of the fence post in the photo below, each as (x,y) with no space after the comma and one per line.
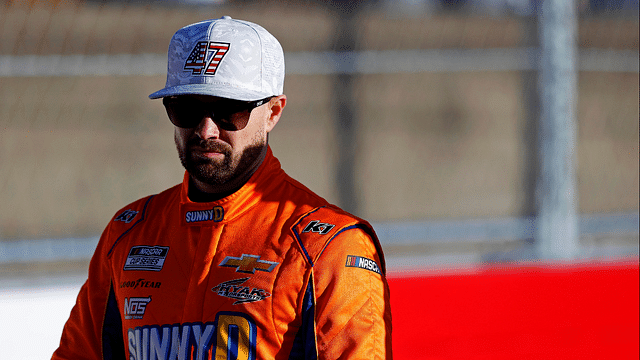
(346,114)
(557,230)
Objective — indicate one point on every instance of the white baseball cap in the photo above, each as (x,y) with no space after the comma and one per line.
(226,58)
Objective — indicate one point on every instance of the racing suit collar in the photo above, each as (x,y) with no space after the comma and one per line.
(227,208)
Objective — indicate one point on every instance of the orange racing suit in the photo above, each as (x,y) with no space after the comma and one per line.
(272,271)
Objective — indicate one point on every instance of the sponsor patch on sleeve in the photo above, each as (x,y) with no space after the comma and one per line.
(126,216)
(362,263)
(318,227)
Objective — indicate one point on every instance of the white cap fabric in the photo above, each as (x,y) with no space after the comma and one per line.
(226,58)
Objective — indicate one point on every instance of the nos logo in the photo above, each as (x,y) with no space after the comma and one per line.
(135,307)
(205,57)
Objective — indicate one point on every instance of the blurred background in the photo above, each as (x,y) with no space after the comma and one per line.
(429,118)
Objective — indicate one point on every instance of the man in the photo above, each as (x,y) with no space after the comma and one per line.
(239,261)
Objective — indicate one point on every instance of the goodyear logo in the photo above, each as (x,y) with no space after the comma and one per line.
(362,263)
(216,215)
(142,283)
(149,258)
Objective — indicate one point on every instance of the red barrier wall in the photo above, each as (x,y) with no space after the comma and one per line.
(542,311)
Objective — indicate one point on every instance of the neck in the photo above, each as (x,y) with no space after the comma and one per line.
(203,192)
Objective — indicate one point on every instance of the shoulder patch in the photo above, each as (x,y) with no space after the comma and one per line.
(315,229)
(318,227)
(126,216)
(362,263)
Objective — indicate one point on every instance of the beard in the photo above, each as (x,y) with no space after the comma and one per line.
(214,172)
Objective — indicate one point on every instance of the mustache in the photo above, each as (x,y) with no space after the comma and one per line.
(209,145)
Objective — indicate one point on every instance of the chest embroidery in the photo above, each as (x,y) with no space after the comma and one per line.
(234,289)
(149,258)
(248,264)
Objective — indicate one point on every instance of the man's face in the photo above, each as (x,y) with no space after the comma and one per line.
(220,159)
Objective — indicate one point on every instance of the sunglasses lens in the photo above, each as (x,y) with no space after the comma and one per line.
(229,115)
(231,119)
(183,115)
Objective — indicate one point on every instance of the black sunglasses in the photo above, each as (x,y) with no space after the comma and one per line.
(230,115)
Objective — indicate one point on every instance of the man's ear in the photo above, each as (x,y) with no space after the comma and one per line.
(276,106)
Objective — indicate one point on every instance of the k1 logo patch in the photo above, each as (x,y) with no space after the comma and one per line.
(318,227)
(362,263)
(149,258)
(126,216)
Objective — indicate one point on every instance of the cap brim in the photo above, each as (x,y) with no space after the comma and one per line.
(209,90)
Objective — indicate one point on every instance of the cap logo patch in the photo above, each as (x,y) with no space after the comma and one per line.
(362,263)
(205,57)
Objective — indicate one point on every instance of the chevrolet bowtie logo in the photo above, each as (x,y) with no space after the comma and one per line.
(248,264)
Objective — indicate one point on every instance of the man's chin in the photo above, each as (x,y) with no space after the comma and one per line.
(209,173)
(217,172)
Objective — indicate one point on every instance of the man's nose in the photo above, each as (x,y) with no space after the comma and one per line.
(207,129)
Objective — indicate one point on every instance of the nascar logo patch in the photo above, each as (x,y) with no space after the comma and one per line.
(149,258)
(362,263)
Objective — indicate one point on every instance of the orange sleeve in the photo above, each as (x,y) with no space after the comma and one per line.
(94,330)
(352,312)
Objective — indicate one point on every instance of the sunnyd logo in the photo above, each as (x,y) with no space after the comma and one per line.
(205,57)
(243,294)
(216,215)
(230,336)
(135,307)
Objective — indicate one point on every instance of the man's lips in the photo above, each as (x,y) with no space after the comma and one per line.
(209,149)
(207,152)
